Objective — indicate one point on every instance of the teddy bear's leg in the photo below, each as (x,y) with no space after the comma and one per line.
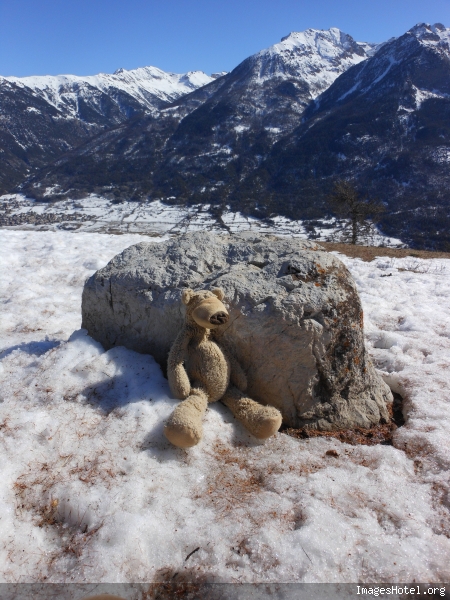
(261,421)
(184,427)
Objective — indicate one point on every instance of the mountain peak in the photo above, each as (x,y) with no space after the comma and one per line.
(219,74)
(329,44)
(430,34)
(149,86)
(317,56)
(311,32)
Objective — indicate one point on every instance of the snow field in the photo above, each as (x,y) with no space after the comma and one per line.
(92,491)
(157,218)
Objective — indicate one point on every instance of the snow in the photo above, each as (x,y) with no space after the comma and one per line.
(442,154)
(156,218)
(316,56)
(391,64)
(241,128)
(435,36)
(92,491)
(422,95)
(144,84)
(219,74)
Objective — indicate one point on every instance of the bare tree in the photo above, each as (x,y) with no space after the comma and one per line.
(359,213)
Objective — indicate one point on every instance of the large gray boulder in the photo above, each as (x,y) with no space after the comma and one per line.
(296,323)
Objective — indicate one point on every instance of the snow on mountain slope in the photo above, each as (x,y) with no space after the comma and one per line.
(228,126)
(316,56)
(44,116)
(233,121)
(379,75)
(294,70)
(384,124)
(436,35)
(219,74)
(150,86)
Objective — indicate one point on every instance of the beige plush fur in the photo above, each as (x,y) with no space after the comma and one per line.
(200,370)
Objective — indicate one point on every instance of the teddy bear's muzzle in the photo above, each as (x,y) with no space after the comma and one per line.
(210,313)
(219,318)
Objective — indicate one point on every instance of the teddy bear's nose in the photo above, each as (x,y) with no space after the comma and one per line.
(219,318)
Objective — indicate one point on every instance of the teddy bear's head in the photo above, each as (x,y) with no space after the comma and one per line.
(205,307)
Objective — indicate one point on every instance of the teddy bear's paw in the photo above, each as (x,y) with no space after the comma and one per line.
(184,428)
(183,435)
(266,424)
(261,421)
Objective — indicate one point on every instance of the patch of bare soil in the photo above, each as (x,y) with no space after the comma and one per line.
(368,253)
(380,434)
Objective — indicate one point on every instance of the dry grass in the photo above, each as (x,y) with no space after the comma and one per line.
(381,434)
(36,493)
(368,253)
(5,427)
(234,490)
(235,483)
(71,539)
(189,584)
(44,476)
(441,505)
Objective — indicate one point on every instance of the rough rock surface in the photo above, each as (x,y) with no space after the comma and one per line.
(296,323)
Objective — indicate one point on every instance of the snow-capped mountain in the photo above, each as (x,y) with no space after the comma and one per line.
(315,56)
(151,87)
(278,82)
(384,123)
(271,136)
(249,109)
(399,59)
(45,116)
(219,133)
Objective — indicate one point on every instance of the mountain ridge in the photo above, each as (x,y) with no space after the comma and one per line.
(271,136)
(43,117)
(385,124)
(228,124)
(146,84)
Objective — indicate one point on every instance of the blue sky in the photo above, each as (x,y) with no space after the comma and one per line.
(84,37)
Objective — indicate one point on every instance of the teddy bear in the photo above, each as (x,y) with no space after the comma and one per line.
(201,370)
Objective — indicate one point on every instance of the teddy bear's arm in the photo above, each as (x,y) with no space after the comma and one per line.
(176,373)
(237,375)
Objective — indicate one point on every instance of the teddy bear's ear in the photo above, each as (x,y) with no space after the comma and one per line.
(219,293)
(186,296)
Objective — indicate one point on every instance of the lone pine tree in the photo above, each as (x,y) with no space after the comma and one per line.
(358,212)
